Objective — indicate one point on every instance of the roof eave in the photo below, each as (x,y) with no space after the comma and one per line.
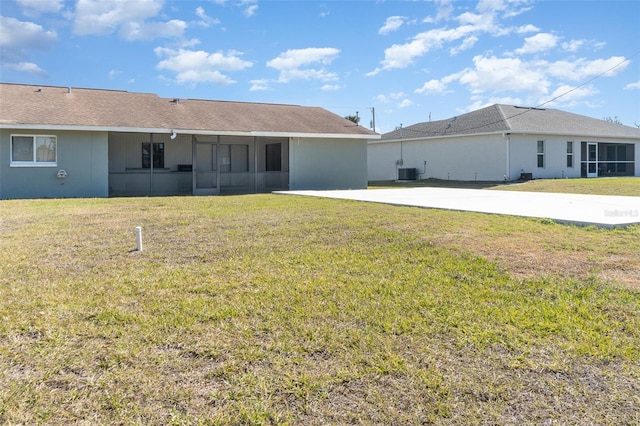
(62,127)
(464,135)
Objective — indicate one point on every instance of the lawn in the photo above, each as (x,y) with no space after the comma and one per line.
(271,309)
(626,186)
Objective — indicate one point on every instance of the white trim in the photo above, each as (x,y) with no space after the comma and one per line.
(632,139)
(212,132)
(33,163)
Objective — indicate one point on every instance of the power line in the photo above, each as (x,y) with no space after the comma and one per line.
(532,108)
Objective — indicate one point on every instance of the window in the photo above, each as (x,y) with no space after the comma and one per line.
(570,154)
(273,157)
(158,155)
(540,154)
(27,150)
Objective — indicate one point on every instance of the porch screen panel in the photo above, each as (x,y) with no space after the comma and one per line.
(239,158)
(273,157)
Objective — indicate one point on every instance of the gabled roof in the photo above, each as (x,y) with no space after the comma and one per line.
(30,106)
(513,119)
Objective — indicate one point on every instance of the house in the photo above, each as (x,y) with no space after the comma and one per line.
(504,142)
(77,142)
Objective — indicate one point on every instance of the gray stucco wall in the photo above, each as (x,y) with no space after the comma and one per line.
(327,163)
(83,155)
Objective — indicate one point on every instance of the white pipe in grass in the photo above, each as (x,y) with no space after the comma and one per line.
(139,237)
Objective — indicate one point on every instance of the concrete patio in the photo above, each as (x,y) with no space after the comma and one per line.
(578,209)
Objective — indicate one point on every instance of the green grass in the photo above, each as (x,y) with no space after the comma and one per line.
(625,186)
(267,309)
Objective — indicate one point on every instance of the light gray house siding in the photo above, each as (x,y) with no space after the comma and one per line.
(82,155)
(327,164)
(118,143)
(502,142)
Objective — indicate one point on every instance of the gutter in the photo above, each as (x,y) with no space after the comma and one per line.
(164,130)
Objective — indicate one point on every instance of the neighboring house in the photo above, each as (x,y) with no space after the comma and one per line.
(503,142)
(73,142)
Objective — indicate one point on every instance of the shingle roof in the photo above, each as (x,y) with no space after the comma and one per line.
(112,110)
(514,119)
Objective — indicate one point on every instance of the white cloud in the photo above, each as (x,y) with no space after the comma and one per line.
(402,55)
(397,95)
(17,39)
(444,11)
(205,20)
(40,6)
(581,69)
(467,44)
(508,8)
(152,30)
(259,85)
(250,7)
(19,36)
(567,94)
(405,103)
(573,45)
(633,86)
(527,29)
(504,74)
(470,26)
(538,43)
(199,66)
(127,17)
(294,64)
(331,87)
(393,23)
(26,67)
(113,73)
(432,86)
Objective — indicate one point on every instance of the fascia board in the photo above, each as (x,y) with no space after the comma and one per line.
(60,127)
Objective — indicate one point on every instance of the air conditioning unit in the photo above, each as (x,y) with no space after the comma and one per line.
(407,174)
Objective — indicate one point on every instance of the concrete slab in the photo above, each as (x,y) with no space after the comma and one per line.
(600,210)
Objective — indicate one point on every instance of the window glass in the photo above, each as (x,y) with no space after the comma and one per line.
(33,150)
(569,154)
(22,148)
(45,149)
(540,154)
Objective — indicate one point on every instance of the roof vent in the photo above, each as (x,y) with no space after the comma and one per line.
(68,89)
(175,101)
(39,90)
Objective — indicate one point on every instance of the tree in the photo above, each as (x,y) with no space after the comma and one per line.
(353,118)
(613,120)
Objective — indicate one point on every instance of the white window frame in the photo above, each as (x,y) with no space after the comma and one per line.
(33,162)
(570,156)
(540,154)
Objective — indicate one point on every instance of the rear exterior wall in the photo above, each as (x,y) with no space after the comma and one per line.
(83,155)
(317,163)
(481,158)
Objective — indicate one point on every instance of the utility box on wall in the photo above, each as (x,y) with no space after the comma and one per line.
(407,174)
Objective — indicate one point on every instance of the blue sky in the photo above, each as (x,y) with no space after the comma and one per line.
(410,60)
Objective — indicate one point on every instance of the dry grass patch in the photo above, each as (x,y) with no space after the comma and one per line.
(266,309)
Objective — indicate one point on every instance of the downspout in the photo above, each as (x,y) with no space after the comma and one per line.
(151,164)
(507,140)
(194,141)
(255,164)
